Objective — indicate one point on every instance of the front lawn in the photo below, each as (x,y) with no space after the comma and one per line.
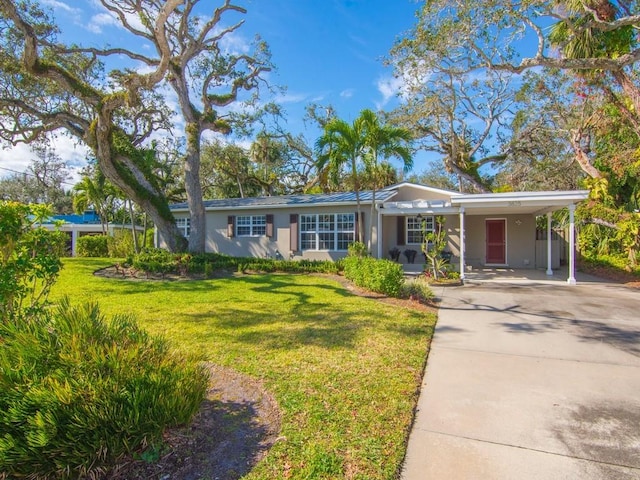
(344,369)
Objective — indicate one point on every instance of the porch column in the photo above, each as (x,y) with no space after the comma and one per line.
(572,246)
(74,241)
(379,232)
(549,271)
(461,243)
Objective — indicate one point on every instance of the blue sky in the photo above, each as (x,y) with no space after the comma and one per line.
(325,51)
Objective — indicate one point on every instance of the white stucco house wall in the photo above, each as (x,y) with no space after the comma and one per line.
(494,229)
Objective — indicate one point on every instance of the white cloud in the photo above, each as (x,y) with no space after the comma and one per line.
(18,157)
(389,87)
(15,158)
(101,20)
(347,93)
(290,98)
(234,43)
(57,5)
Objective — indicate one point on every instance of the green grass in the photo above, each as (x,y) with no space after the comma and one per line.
(345,370)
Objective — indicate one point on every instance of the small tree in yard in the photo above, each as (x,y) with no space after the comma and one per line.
(77,392)
(30,258)
(433,246)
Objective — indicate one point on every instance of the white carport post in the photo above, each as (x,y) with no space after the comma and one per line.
(572,246)
(549,271)
(74,241)
(461,243)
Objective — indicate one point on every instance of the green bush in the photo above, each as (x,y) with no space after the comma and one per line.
(357,249)
(120,245)
(417,290)
(159,261)
(92,246)
(155,260)
(78,392)
(29,258)
(378,275)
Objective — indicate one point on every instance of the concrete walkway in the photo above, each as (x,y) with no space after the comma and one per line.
(531,379)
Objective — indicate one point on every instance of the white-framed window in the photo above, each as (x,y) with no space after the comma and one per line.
(327,231)
(414,229)
(251,225)
(184,225)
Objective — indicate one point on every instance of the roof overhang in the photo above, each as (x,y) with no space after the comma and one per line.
(532,203)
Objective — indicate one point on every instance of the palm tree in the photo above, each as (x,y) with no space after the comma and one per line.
(342,145)
(383,142)
(96,193)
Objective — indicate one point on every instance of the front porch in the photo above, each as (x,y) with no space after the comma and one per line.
(484,231)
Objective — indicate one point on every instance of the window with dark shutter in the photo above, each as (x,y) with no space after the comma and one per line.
(231,220)
(293,232)
(269,231)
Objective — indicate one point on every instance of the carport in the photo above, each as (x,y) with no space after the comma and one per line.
(521,203)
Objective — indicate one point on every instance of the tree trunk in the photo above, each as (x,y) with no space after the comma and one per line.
(582,158)
(194,189)
(144,233)
(136,247)
(124,174)
(462,175)
(629,87)
(356,187)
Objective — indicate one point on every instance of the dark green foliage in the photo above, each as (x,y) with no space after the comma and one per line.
(155,260)
(78,392)
(120,244)
(92,246)
(29,258)
(382,276)
(357,249)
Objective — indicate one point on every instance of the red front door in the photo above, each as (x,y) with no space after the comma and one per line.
(496,241)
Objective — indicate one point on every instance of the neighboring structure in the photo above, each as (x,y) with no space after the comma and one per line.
(80,225)
(499,229)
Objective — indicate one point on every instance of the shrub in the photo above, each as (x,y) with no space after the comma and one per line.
(417,290)
(29,258)
(120,245)
(150,260)
(92,246)
(78,392)
(155,260)
(378,275)
(357,249)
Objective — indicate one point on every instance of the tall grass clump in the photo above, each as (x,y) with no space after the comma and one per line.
(77,392)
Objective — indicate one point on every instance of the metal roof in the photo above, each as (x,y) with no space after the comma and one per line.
(305,200)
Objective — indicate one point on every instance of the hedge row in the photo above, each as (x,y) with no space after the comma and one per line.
(118,245)
(382,276)
(155,260)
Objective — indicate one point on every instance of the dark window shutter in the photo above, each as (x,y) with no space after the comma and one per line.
(357,232)
(401,231)
(231,223)
(269,230)
(293,232)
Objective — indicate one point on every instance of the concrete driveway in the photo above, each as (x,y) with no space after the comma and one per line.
(531,381)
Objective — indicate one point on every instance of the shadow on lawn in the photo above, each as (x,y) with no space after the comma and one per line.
(314,324)
(312,321)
